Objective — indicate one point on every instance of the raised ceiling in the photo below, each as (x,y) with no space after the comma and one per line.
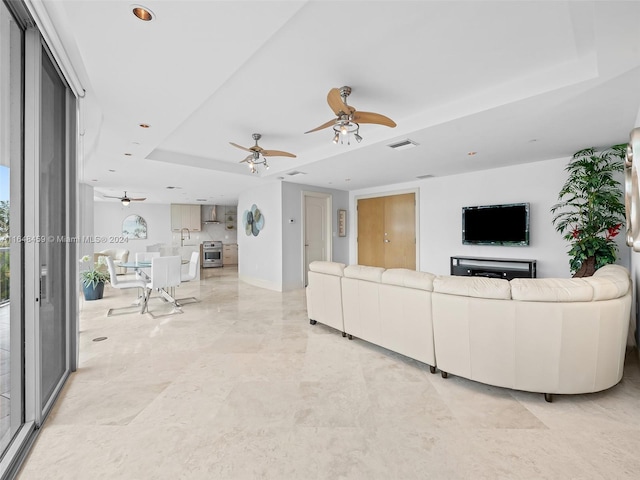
(515,82)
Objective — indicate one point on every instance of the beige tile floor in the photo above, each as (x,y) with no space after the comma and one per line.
(240,386)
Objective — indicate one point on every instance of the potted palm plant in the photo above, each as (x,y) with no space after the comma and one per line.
(94,278)
(591,211)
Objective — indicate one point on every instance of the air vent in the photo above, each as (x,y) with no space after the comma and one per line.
(422,177)
(403,144)
(295,172)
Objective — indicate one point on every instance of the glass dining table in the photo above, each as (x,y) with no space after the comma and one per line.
(143,268)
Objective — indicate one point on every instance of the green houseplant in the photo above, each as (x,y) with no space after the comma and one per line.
(93,279)
(591,211)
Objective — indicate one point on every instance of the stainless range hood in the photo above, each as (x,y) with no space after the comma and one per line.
(210,214)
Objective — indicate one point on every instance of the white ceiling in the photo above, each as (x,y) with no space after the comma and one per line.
(515,82)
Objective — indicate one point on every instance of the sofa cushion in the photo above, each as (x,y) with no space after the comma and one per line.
(551,290)
(363,272)
(478,287)
(610,281)
(404,277)
(330,268)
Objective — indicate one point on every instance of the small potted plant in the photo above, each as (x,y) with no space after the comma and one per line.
(591,211)
(94,278)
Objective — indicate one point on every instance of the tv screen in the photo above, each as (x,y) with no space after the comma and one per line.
(496,224)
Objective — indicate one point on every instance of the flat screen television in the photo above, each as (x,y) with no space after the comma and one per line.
(496,224)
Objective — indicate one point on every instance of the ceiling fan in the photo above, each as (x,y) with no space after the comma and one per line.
(256,151)
(126,200)
(348,118)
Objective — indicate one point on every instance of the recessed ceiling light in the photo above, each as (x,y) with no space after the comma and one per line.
(145,125)
(143,13)
(94,180)
(111,170)
(471,154)
(128,154)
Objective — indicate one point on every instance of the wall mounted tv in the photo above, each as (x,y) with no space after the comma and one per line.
(496,225)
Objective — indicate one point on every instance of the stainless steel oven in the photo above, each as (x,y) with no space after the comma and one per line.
(211,254)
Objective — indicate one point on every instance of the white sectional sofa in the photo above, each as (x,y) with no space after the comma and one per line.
(390,308)
(324,300)
(552,336)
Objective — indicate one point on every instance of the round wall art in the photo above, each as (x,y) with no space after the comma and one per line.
(253,221)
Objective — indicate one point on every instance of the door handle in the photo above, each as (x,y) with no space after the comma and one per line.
(387,240)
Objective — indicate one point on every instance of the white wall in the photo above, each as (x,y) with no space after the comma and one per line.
(440,215)
(274,258)
(536,183)
(292,233)
(85,219)
(260,257)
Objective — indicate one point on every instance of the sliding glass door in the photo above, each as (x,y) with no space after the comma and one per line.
(11,312)
(38,266)
(52,229)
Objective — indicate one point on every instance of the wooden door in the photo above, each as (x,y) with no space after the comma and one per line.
(400,231)
(371,231)
(387,231)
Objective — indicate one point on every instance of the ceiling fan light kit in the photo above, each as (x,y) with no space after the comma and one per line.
(348,119)
(258,154)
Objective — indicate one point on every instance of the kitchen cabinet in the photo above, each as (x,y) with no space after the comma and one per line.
(230,254)
(185,216)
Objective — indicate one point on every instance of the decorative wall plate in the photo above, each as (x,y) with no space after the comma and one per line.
(253,221)
(134,226)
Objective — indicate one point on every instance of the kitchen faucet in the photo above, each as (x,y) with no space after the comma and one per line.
(182,236)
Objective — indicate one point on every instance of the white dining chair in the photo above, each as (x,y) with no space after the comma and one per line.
(144,273)
(165,277)
(116,283)
(190,275)
(193,268)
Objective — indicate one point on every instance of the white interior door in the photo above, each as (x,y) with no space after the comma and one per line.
(317,229)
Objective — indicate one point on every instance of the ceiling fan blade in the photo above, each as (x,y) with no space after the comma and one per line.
(369,117)
(110,196)
(277,153)
(337,105)
(324,125)
(241,147)
(137,199)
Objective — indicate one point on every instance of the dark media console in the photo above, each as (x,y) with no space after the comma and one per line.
(506,268)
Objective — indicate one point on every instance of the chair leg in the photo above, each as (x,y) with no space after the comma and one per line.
(130,309)
(140,297)
(145,303)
